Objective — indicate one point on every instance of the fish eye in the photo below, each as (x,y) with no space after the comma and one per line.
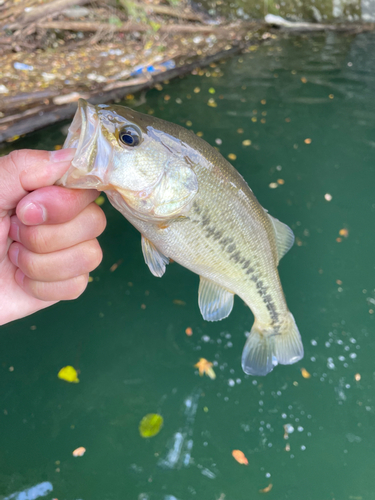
(130,136)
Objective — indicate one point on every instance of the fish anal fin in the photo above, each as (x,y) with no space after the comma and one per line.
(215,302)
(284,236)
(155,260)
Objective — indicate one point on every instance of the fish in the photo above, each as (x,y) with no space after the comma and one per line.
(193,207)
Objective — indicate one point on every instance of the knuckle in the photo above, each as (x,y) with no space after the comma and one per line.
(95,218)
(28,263)
(37,289)
(17,157)
(35,239)
(93,254)
(79,285)
(100,219)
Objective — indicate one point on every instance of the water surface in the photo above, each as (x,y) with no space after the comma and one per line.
(308,107)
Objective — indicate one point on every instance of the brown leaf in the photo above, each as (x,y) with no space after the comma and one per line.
(266,489)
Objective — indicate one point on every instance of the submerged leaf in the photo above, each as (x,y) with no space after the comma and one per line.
(150,425)
(305,373)
(266,489)
(239,456)
(69,374)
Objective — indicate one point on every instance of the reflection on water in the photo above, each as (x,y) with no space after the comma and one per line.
(37,491)
(299,115)
(180,446)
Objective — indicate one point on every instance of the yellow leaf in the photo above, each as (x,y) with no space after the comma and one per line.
(205,366)
(305,373)
(150,425)
(69,374)
(100,200)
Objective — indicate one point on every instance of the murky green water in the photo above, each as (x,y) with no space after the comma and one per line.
(126,335)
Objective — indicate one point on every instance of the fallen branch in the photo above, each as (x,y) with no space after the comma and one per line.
(126,27)
(51,9)
(285,25)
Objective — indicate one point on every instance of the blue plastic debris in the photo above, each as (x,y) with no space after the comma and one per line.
(18,65)
(140,70)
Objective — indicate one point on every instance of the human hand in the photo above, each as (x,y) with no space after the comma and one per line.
(48,233)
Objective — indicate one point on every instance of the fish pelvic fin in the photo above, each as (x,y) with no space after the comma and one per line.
(155,260)
(266,348)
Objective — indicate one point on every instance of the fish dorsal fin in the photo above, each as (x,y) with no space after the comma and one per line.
(155,260)
(284,237)
(215,302)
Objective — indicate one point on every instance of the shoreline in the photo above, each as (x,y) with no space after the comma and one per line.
(46,65)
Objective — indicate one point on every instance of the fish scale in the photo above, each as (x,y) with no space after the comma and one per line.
(191,205)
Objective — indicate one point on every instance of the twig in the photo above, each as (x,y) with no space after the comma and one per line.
(168,11)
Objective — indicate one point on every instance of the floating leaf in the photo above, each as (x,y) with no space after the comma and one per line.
(239,456)
(205,366)
(69,374)
(150,425)
(79,452)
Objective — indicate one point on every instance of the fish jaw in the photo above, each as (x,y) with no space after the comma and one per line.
(91,165)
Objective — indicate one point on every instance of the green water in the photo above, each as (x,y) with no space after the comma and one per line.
(126,335)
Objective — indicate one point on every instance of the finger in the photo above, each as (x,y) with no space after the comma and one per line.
(89,224)
(53,205)
(4,230)
(57,266)
(25,170)
(60,290)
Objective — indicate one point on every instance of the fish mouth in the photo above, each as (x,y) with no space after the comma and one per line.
(78,127)
(87,169)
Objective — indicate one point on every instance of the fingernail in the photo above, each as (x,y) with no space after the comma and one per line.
(62,155)
(33,213)
(14,250)
(14,231)
(19,277)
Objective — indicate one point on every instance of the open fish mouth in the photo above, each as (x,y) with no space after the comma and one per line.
(78,127)
(87,169)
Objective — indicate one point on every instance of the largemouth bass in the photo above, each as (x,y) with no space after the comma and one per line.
(191,205)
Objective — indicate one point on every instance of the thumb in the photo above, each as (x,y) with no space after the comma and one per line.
(26,170)
(23,171)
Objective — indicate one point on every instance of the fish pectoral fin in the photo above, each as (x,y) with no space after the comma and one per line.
(215,302)
(284,236)
(155,260)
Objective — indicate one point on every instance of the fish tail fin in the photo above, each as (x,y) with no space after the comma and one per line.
(265,348)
